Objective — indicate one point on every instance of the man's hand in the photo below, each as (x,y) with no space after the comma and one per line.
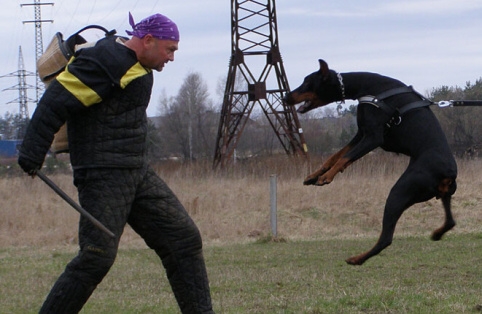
(28,166)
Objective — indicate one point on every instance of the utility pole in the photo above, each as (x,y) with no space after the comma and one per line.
(22,99)
(39,88)
(254,36)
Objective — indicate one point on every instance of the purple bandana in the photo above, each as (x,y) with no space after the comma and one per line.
(158,25)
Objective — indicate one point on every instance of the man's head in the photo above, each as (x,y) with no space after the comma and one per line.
(154,39)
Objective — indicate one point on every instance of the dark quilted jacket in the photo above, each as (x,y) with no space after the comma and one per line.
(103,95)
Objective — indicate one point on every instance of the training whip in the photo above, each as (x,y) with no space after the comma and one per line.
(76,206)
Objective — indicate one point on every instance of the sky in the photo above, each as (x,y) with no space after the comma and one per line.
(424,43)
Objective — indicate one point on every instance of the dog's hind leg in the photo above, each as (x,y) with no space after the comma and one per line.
(449,219)
(411,188)
(390,219)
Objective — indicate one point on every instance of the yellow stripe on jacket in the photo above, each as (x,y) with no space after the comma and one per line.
(137,70)
(86,95)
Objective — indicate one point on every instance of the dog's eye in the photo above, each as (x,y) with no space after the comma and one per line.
(307,84)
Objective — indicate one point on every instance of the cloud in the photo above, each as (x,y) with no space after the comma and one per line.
(426,43)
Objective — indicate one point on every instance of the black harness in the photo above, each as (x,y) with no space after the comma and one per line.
(395,112)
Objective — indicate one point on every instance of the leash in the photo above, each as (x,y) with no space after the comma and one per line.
(378,102)
(458,103)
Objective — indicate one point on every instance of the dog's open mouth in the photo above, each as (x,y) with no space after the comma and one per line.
(310,104)
(306,106)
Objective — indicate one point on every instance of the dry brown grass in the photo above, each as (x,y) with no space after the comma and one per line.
(233,205)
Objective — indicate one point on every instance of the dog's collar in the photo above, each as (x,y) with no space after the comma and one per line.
(342,87)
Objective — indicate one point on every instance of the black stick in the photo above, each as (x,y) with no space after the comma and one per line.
(72,203)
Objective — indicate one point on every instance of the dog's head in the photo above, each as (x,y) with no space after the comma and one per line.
(318,89)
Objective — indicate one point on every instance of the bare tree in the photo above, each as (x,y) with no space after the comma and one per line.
(188,118)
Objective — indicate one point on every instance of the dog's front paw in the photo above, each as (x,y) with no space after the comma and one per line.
(310,180)
(323,180)
(314,178)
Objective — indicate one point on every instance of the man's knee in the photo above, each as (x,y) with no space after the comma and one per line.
(93,263)
(191,238)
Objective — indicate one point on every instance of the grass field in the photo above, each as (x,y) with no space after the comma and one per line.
(302,272)
(415,275)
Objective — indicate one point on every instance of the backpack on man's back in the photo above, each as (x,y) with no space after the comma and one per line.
(53,61)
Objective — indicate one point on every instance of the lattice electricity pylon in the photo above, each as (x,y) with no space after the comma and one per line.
(255,37)
(39,47)
(22,88)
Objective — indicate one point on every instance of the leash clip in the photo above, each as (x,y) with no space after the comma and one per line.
(445,103)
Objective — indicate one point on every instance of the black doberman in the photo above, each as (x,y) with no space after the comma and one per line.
(393,116)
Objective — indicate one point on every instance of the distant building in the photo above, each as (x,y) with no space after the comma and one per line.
(8,148)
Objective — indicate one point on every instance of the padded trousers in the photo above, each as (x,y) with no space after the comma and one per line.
(141,199)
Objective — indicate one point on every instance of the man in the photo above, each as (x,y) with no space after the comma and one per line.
(103,95)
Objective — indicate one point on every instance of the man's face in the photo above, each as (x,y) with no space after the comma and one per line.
(158,52)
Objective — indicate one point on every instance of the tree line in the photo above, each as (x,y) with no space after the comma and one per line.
(187,124)
(12,126)
(462,125)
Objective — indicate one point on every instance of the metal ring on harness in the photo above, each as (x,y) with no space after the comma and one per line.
(397,121)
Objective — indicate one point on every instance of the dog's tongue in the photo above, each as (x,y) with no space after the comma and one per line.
(303,108)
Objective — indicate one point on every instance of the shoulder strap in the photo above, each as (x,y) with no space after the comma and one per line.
(395,91)
(68,46)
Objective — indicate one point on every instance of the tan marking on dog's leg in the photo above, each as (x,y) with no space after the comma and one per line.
(327,165)
(444,186)
(327,178)
(357,260)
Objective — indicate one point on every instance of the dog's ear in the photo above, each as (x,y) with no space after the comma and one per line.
(324,70)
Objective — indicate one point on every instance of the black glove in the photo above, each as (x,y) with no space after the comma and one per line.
(28,166)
